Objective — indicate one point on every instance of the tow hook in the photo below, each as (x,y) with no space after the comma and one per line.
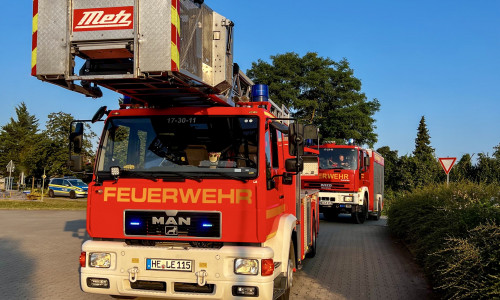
(201,277)
(132,274)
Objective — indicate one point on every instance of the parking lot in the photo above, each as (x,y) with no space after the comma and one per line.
(39,253)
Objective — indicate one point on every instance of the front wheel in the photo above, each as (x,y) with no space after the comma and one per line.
(289,273)
(51,193)
(360,217)
(72,194)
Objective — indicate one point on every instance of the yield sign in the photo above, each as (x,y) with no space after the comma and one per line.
(447,163)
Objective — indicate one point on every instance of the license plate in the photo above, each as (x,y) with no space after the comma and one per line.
(169,264)
(325,202)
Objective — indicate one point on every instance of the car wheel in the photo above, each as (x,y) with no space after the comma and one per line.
(51,193)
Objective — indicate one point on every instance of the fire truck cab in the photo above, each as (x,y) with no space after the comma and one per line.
(351,180)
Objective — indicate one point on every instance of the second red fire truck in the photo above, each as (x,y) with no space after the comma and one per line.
(351,180)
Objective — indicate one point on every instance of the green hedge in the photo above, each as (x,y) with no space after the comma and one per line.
(454,233)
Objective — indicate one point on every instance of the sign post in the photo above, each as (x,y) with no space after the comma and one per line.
(10,169)
(447,164)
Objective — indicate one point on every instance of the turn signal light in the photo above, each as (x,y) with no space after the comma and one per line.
(83,259)
(267,267)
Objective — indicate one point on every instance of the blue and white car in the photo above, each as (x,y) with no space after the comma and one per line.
(69,187)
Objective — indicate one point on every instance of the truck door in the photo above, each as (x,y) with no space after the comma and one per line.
(275,193)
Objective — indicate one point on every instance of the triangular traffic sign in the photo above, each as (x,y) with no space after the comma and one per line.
(447,163)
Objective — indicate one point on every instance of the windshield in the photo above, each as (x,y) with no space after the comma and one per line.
(181,146)
(338,158)
(77,182)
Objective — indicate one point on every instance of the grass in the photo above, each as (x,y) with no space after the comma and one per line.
(47,204)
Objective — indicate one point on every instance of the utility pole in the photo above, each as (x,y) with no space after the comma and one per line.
(43,182)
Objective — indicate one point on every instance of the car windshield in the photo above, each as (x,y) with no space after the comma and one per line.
(77,182)
(180,146)
(338,158)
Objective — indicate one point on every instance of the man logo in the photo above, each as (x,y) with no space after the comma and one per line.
(171,230)
(171,221)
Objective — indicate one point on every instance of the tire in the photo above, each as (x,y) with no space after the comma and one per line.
(51,194)
(360,217)
(289,277)
(312,250)
(72,195)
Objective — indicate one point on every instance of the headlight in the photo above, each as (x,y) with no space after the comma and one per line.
(100,260)
(348,199)
(246,266)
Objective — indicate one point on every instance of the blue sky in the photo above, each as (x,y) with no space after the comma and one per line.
(438,59)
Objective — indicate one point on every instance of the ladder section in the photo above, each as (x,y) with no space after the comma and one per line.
(177,51)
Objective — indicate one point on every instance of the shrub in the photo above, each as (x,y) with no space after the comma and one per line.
(436,217)
(470,267)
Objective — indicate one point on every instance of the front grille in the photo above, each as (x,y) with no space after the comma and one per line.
(337,186)
(149,285)
(192,224)
(184,287)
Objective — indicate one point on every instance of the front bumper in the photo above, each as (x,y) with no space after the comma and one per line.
(335,200)
(128,275)
(81,194)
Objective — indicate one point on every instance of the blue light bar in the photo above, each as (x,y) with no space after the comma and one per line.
(134,223)
(207,225)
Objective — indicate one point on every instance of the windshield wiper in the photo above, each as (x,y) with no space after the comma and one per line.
(183,175)
(229,176)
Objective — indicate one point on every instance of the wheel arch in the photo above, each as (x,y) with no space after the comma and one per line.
(280,242)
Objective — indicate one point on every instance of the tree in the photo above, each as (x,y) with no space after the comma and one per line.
(391,161)
(423,150)
(57,143)
(464,170)
(426,166)
(320,91)
(19,140)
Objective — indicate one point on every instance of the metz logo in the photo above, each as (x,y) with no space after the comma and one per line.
(106,18)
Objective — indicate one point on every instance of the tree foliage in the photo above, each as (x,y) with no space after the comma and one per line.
(20,140)
(33,151)
(422,168)
(57,131)
(320,91)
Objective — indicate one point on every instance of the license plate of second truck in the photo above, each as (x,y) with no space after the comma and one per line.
(169,264)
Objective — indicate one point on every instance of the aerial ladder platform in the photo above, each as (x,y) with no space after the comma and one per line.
(157,52)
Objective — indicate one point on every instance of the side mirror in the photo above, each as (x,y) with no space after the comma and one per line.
(76,163)
(311,132)
(76,137)
(287,179)
(292,166)
(367,161)
(271,184)
(296,140)
(99,114)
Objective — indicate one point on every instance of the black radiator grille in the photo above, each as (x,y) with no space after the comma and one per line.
(190,224)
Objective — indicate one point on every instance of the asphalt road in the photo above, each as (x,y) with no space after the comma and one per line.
(39,253)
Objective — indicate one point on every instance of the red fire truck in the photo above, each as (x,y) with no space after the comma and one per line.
(196,188)
(351,180)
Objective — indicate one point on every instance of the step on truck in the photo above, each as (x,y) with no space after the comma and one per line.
(351,181)
(196,189)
